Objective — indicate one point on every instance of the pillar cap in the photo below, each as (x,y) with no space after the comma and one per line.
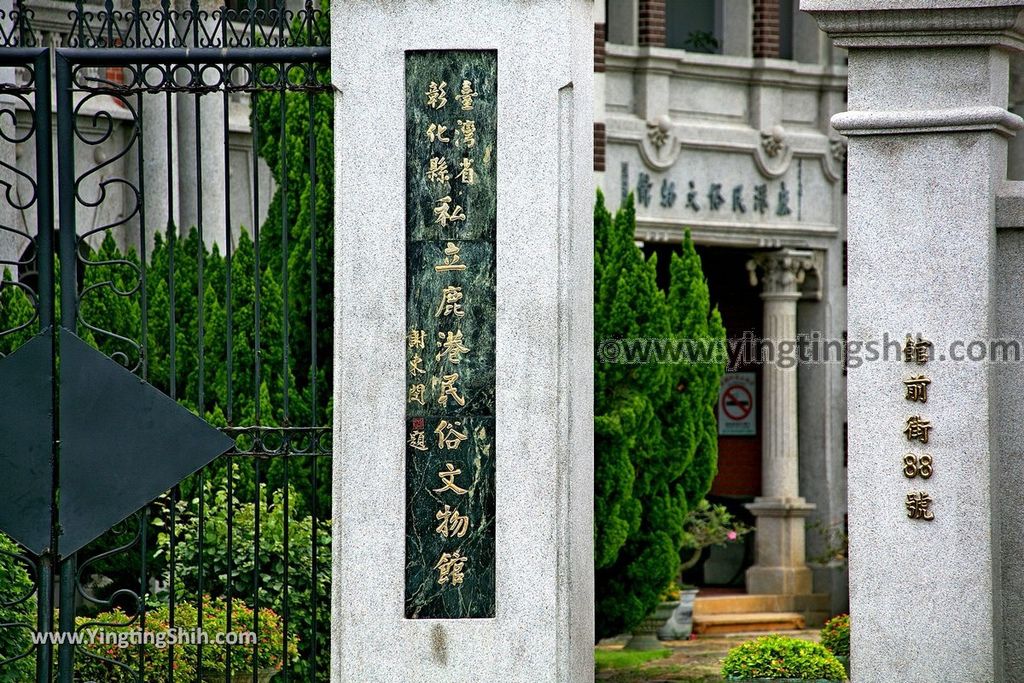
(920,23)
(952,120)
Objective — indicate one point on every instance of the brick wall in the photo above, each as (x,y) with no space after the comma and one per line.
(600,37)
(600,141)
(652,23)
(766,28)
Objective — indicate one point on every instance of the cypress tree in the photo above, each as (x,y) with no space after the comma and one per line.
(18,322)
(655,428)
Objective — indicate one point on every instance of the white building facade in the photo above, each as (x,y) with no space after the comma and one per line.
(715,115)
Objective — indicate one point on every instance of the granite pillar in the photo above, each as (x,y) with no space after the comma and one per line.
(781,566)
(928,129)
(542,630)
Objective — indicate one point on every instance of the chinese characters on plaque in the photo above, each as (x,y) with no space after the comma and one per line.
(917,428)
(451,214)
(757,199)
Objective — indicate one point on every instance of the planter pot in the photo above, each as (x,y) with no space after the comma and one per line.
(679,625)
(645,636)
(263,676)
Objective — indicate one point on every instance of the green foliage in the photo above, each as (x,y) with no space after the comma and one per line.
(656,444)
(781,657)
(17,315)
(296,138)
(606,660)
(835,636)
(17,614)
(113,655)
(287,587)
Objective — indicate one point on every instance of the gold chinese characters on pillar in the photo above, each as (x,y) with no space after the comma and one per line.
(451,218)
(917,429)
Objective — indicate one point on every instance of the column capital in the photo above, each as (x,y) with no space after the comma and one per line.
(780,273)
(920,23)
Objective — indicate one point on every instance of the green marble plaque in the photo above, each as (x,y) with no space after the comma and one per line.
(451,212)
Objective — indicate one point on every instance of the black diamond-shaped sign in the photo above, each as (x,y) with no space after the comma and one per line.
(123,443)
(26,443)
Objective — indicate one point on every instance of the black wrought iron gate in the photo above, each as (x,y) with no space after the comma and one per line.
(176,267)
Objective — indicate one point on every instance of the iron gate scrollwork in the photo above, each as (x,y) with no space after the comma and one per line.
(170,276)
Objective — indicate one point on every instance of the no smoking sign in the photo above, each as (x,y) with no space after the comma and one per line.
(737,414)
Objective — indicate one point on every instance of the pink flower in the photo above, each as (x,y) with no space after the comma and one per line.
(731,535)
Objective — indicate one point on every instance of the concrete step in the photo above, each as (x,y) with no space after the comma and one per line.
(748,604)
(747,622)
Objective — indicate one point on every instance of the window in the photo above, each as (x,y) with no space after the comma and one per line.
(693,25)
(787,12)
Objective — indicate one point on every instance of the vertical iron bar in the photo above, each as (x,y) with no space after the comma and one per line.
(201,293)
(44,617)
(80,17)
(172,380)
(143,246)
(311,132)
(229,332)
(67,196)
(172,557)
(143,585)
(256,571)
(66,651)
(144,333)
(46,294)
(286,370)
(69,315)
(44,189)
(257,346)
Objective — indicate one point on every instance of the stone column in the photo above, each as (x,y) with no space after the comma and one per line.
(781,566)
(928,128)
(737,28)
(200,122)
(543,628)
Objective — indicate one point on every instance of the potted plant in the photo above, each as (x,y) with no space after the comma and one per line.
(778,658)
(706,525)
(645,635)
(835,637)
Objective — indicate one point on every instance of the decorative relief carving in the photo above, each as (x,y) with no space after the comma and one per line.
(773,142)
(660,146)
(780,272)
(659,131)
(838,148)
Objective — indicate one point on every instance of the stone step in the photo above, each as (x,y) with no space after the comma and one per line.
(747,622)
(748,604)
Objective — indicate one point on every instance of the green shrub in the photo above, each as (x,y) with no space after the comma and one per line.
(210,568)
(781,657)
(655,430)
(110,661)
(17,614)
(836,635)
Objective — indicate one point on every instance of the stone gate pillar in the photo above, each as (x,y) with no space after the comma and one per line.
(463,406)
(928,129)
(781,565)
